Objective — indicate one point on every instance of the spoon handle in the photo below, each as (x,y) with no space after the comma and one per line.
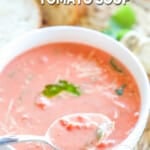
(21,138)
(4,140)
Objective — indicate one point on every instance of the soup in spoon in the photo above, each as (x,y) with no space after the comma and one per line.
(84,131)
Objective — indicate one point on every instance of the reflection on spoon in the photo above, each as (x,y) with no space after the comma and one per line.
(75,131)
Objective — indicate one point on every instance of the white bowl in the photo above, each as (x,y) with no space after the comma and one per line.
(96,39)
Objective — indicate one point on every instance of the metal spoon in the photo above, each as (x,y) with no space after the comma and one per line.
(47,139)
(6,147)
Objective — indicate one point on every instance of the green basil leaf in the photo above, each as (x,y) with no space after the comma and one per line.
(52,90)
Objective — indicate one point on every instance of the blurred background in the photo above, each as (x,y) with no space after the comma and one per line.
(128,24)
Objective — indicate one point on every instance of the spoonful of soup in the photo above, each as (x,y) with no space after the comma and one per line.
(82,131)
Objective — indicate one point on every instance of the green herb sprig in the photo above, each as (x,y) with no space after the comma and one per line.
(99,134)
(120,90)
(52,90)
(121,22)
(115,66)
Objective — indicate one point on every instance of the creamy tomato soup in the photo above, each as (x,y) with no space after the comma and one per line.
(58,79)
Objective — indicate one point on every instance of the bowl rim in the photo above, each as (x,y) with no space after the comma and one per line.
(134,136)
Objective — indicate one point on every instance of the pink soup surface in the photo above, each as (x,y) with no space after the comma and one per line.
(106,87)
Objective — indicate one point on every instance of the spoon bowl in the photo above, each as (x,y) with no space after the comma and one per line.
(93,121)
